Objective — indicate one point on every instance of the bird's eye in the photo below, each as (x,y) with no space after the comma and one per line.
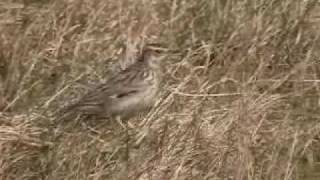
(157,51)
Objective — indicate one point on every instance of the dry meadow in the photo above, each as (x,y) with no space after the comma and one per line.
(240,101)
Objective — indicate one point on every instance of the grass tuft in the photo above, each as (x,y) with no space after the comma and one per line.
(240,101)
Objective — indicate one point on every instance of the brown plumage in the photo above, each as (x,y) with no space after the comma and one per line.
(125,93)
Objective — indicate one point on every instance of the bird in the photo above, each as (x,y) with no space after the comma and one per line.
(126,92)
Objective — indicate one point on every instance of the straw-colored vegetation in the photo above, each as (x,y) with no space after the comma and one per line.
(241,98)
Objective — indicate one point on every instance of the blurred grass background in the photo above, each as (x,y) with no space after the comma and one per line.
(241,98)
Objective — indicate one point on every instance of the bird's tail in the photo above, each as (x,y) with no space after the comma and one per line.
(66,113)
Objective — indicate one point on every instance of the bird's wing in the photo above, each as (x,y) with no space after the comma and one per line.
(104,94)
(126,83)
(115,88)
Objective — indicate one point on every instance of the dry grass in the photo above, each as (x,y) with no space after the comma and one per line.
(241,100)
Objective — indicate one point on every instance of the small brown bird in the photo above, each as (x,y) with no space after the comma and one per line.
(126,92)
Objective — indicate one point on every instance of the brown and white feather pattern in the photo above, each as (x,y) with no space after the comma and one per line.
(127,92)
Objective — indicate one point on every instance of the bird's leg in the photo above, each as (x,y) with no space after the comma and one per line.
(118,119)
(127,139)
(127,147)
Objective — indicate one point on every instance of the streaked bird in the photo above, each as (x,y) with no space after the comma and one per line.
(127,92)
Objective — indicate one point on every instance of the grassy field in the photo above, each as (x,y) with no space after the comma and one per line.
(241,100)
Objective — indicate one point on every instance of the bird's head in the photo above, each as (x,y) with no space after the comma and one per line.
(153,55)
